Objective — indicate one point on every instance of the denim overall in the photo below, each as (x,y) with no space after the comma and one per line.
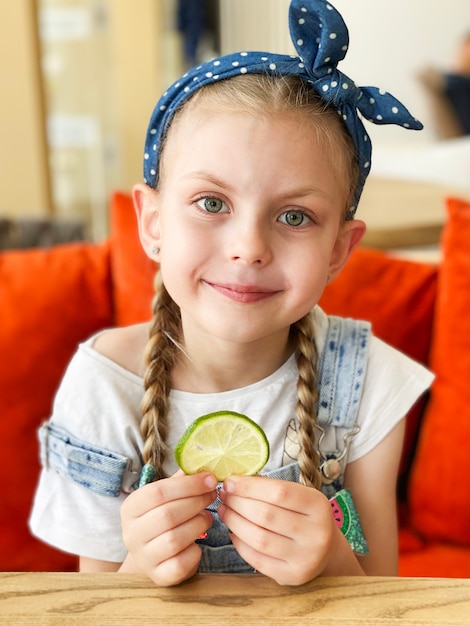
(341,376)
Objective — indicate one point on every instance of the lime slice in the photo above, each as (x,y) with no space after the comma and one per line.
(224,443)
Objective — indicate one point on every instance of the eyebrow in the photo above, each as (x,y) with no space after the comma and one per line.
(207,176)
(289,193)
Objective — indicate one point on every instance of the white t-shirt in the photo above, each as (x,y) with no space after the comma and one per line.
(99,402)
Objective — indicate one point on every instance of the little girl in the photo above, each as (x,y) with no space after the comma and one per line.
(254,166)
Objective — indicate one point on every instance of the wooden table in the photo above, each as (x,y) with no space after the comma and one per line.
(113,599)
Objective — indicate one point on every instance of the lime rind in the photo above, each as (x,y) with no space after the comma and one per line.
(225,443)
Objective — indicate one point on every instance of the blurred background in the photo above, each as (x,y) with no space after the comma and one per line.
(79,79)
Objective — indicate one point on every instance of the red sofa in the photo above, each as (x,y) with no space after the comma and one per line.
(51,299)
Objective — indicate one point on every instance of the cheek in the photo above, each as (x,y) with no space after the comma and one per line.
(182,256)
(185,249)
(188,243)
(309,272)
(175,238)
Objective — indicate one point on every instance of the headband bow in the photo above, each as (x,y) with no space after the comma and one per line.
(321,39)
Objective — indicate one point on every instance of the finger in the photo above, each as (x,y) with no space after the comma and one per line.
(170,515)
(168,489)
(276,542)
(281,570)
(263,562)
(281,493)
(238,512)
(267,553)
(177,569)
(286,560)
(171,543)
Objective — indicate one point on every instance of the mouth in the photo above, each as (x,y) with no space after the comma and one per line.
(243,293)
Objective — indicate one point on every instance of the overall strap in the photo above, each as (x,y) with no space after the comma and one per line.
(342,371)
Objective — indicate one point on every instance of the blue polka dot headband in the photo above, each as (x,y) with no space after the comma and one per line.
(321,39)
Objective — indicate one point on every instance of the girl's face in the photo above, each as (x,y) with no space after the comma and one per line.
(249,221)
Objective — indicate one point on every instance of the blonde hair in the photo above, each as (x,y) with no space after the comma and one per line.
(252,94)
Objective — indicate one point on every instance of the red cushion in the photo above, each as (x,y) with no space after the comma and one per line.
(51,299)
(435,560)
(440,485)
(133,272)
(397,297)
(394,294)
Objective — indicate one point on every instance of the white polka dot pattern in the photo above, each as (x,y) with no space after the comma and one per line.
(321,39)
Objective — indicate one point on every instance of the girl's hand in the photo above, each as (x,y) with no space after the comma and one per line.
(283,529)
(160,523)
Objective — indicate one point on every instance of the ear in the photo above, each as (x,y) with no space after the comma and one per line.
(146,207)
(349,236)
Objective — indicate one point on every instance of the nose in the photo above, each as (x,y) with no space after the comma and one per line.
(251,242)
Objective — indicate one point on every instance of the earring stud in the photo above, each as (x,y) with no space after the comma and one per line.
(155,250)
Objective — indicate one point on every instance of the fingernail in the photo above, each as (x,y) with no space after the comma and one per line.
(229,486)
(210,481)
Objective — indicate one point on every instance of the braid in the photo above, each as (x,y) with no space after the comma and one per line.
(307,357)
(160,357)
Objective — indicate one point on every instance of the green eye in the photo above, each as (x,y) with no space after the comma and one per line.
(213,205)
(293,218)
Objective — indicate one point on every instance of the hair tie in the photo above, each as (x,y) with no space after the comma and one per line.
(321,40)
